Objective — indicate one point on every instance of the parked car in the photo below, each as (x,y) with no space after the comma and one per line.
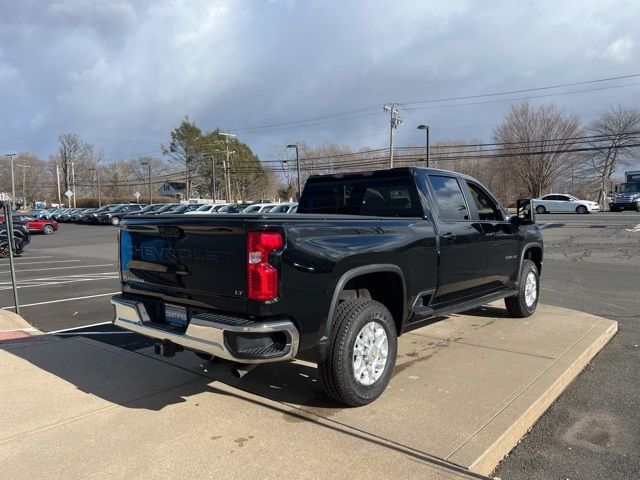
(367,257)
(164,208)
(39,213)
(148,209)
(115,214)
(206,208)
(92,217)
(21,235)
(283,208)
(182,208)
(38,225)
(563,203)
(259,208)
(233,208)
(70,214)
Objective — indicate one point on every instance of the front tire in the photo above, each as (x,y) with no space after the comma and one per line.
(540,210)
(47,230)
(362,353)
(525,302)
(581,209)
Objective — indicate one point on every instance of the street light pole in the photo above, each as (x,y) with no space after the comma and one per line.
(297,166)
(24,167)
(13,183)
(426,130)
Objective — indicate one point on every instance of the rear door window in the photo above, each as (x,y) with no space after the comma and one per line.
(449,198)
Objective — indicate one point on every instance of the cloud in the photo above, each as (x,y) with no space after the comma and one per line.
(124,73)
(619,51)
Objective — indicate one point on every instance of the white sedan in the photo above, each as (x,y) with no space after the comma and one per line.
(562,203)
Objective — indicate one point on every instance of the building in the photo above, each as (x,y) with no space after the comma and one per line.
(173,189)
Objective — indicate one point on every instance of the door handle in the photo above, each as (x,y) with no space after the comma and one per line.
(449,236)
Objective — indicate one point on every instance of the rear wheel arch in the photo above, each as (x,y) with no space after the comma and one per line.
(383,283)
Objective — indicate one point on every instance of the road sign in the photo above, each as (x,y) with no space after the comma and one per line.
(69,193)
(137,195)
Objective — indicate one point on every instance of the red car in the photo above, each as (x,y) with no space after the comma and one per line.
(41,225)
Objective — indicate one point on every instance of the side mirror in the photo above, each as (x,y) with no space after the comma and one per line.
(524,212)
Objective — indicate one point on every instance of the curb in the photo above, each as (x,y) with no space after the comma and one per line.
(13,325)
(570,366)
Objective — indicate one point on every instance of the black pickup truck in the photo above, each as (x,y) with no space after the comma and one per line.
(366,257)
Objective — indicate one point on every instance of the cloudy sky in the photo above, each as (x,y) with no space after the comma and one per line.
(122,74)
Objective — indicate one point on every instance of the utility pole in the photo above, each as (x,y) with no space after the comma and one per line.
(58,182)
(13,183)
(24,183)
(213,178)
(228,162)
(298,167)
(98,184)
(148,165)
(396,121)
(73,183)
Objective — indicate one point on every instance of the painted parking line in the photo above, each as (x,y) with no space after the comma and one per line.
(61,268)
(44,282)
(61,300)
(91,325)
(40,263)
(90,333)
(25,256)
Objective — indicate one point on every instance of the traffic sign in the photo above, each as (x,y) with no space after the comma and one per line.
(137,195)
(69,193)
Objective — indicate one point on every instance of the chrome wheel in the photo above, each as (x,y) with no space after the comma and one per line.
(530,289)
(370,352)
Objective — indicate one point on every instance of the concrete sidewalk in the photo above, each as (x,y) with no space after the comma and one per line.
(466,389)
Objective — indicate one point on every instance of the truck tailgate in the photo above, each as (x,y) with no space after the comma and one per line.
(202,262)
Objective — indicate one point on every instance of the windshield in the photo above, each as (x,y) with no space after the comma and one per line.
(630,188)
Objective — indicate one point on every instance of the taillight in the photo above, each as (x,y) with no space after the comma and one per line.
(262,278)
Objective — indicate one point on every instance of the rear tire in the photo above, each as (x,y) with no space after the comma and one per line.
(540,210)
(361,354)
(47,229)
(525,302)
(115,221)
(581,209)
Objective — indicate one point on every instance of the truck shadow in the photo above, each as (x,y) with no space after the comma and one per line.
(142,380)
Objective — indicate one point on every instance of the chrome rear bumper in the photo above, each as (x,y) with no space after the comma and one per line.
(206,332)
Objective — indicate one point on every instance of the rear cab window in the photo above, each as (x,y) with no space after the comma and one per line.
(368,196)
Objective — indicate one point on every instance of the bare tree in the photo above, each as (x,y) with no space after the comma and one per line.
(614,135)
(536,143)
(71,149)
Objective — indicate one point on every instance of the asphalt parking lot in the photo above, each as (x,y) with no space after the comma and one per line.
(591,264)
